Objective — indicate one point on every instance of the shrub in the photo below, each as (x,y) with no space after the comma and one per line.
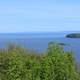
(17,63)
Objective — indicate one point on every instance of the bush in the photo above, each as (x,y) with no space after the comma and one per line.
(17,63)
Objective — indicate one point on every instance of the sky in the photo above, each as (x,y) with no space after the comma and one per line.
(39,15)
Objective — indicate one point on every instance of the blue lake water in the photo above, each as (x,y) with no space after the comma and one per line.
(39,42)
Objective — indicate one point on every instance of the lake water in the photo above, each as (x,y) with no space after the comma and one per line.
(39,42)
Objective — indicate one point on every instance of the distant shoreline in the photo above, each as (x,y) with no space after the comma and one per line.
(73,35)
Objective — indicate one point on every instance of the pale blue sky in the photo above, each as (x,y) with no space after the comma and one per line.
(39,15)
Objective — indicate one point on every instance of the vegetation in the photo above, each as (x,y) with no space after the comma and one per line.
(75,35)
(17,63)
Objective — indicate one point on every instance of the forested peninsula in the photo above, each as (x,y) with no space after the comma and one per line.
(73,35)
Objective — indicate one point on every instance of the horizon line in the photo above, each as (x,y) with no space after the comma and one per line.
(37,32)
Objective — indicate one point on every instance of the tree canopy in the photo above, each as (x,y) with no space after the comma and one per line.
(75,35)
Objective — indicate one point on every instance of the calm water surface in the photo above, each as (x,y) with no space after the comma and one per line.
(40,42)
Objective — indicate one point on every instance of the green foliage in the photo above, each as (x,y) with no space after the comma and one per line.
(58,65)
(74,35)
(17,63)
